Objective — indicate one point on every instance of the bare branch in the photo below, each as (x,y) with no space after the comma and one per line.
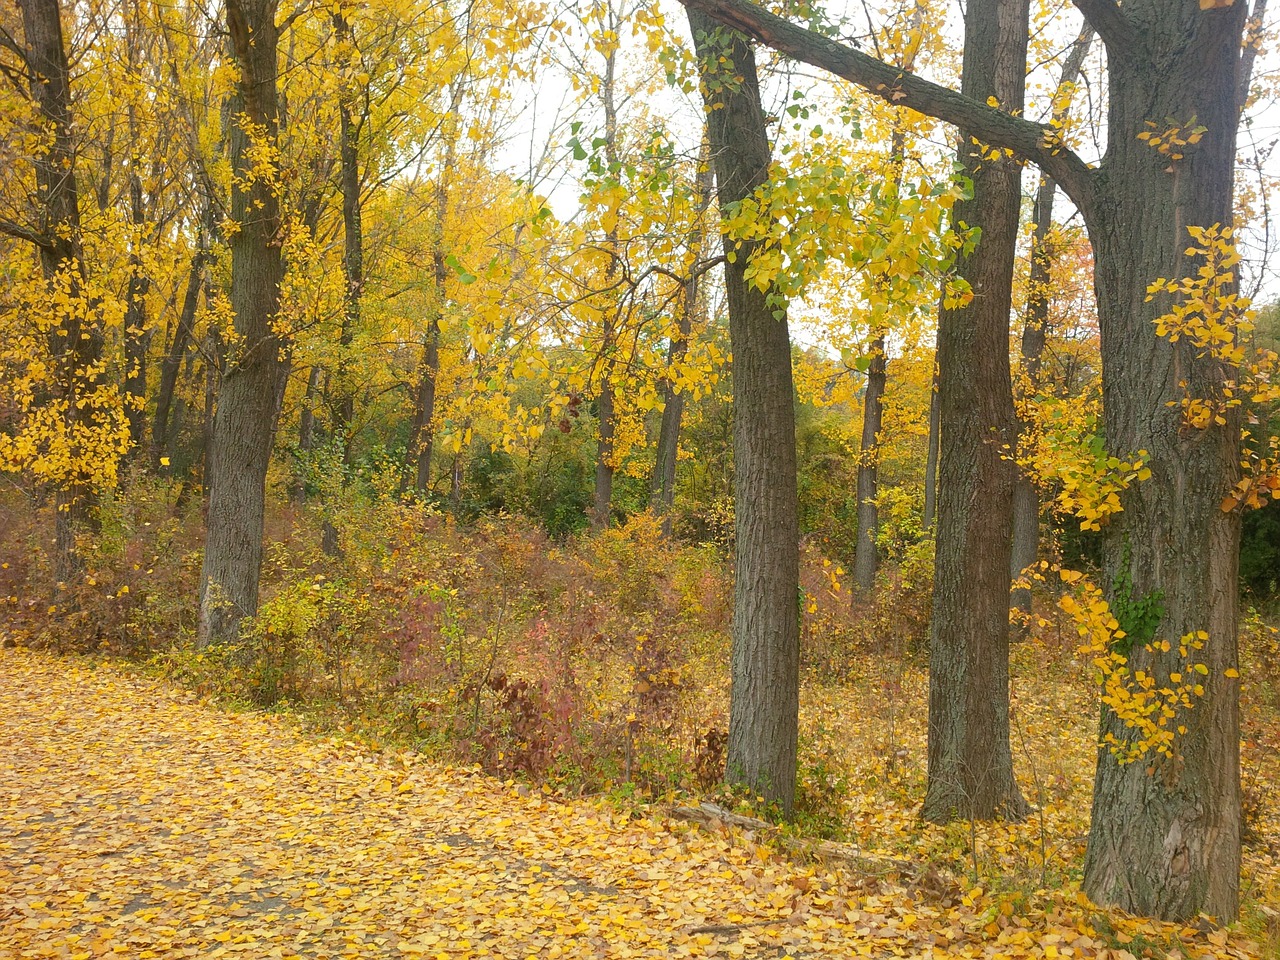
(1252,40)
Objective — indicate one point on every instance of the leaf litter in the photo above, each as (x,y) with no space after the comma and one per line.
(137,821)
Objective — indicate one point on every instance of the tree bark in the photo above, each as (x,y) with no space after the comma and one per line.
(306,433)
(970,761)
(422,431)
(1035,332)
(606,428)
(764,701)
(245,418)
(212,387)
(1165,837)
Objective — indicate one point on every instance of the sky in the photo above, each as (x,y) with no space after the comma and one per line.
(539,150)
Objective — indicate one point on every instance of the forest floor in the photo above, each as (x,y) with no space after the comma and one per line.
(139,821)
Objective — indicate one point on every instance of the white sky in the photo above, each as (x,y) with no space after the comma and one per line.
(546,112)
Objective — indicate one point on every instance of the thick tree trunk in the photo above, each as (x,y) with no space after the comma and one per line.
(865,553)
(1035,332)
(970,762)
(245,419)
(1165,834)
(764,702)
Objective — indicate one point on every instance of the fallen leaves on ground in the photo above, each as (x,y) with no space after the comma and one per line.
(136,821)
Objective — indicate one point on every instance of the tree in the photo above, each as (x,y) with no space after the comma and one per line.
(765,697)
(1165,835)
(1035,334)
(866,558)
(244,424)
(970,761)
(73,431)
(692,304)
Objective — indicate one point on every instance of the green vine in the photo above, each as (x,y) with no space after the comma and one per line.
(1138,618)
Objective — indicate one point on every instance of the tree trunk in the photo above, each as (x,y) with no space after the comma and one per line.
(663,485)
(606,427)
(1165,834)
(422,431)
(172,363)
(137,336)
(864,557)
(212,387)
(970,762)
(352,234)
(606,416)
(306,433)
(245,419)
(931,457)
(75,344)
(764,701)
(1035,332)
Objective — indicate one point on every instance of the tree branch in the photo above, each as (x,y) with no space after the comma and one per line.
(1252,40)
(1110,23)
(1032,141)
(8,42)
(20,232)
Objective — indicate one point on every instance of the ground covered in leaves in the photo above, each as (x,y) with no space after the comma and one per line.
(138,821)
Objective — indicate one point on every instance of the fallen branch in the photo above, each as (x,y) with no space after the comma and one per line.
(846,854)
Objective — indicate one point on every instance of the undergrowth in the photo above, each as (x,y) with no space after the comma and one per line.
(597,665)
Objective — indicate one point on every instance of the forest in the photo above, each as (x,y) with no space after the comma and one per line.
(636,478)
